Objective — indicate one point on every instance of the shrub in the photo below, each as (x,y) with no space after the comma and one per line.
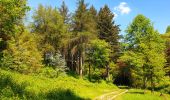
(50,72)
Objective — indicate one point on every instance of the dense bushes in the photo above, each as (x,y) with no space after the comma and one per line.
(164,86)
(51,73)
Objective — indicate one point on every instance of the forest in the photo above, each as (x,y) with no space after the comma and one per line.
(63,55)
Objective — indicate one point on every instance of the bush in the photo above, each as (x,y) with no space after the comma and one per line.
(50,72)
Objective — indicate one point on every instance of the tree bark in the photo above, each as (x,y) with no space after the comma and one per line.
(107,70)
(89,73)
(80,66)
(152,83)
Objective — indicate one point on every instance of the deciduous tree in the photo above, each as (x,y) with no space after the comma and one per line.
(147,44)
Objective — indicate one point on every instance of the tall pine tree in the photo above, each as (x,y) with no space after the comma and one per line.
(64,12)
(84,28)
(108,30)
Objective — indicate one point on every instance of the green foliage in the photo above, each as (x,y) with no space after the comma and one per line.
(164,85)
(64,12)
(93,13)
(56,66)
(43,88)
(51,33)
(56,62)
(98,53)
(146,50)
(108,30)
(22,54)
(167,43)
(134,63)
(51,73)
(98,58)
(12,13)
(168,29)
(49,25)
(83,20)
(84,29)
(87,42)
(113,71)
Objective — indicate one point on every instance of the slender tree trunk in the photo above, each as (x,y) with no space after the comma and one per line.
(80,66)
(72,62)
(144,80)
(89,73)
(81,58)
(152,83)
(144,83)
(107,70)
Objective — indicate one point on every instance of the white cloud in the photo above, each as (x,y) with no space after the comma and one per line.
(123,8)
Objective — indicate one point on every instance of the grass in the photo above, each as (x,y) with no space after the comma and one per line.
(15,86)
(138,94)
(18,86)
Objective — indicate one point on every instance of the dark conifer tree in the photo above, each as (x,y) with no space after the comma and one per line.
(108,30)
(64,12)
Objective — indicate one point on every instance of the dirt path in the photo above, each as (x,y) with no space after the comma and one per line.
(117,95)
(111,95)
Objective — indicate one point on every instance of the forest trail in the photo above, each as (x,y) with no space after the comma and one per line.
(111,95)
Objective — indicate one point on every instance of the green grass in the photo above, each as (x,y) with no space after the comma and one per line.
(138,94)
(18,86)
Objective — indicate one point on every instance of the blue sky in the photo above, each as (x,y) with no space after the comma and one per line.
(126,10)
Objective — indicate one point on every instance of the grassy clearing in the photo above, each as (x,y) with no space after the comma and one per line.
(18,86)
(137,94)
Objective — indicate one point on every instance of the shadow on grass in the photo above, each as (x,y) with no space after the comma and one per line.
(9,89)
(73,74)
(136,92)
(123,87)
(60,94)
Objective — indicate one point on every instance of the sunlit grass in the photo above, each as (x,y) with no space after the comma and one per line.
(138,94)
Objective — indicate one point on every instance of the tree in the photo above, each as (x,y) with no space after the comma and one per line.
(98,53)
(22,54)
(168,29)
(130,69)
(83,30)
(108,31)
(93,13)
(57,63)
(146,43)
(98,56)
(12,13)
(167,51)
(64,12)
(82,19)
(50,29)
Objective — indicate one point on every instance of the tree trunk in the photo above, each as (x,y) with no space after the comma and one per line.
(144,83)
(80,66)
(152,83)
(144,80)
(72,63)
(89,73)
(107,70)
